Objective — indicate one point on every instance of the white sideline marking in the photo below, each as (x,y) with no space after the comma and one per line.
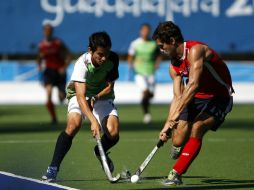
(36,180)
(214,140)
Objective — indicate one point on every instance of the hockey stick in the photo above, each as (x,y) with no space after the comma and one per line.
(105,164)
(150,156)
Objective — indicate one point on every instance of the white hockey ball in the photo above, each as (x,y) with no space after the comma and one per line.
(134,178)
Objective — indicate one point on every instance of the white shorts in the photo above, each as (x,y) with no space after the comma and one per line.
(102,109)
(145,82)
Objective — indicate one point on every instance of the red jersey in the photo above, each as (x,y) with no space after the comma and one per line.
(52,54)
(215,79)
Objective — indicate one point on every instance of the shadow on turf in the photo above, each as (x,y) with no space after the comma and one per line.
(214,184)
(16,127)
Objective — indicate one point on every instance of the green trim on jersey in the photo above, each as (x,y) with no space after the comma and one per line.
(96,80)
(144,60)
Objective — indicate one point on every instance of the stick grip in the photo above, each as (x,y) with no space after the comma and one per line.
(160,142)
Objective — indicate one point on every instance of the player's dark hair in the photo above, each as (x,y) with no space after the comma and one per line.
(48,25)
(145,25)
(166,30)
(99,39)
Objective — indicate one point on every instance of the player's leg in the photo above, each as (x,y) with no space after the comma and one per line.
(49,78)
(191,149)
(109,138)
(111,132)
(145,103)
(143,83)
(180,135)
(64,140)
(107,114)
(49,104)
(148,94)
(212,115)
(63,145)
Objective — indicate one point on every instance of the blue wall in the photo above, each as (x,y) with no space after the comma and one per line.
(226,25)
(18,71)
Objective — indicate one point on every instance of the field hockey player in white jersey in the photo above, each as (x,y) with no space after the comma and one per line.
(91,94)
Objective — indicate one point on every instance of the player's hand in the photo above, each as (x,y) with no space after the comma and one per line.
(95,129)
(165,133)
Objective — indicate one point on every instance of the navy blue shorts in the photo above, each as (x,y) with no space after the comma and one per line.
(217,107)
(54,78)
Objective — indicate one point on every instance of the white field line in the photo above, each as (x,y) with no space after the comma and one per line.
(213,140)
(36,180)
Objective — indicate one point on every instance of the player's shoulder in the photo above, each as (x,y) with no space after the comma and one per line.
(137,41)
(82,59)
(58,41)
(113,56)
(42,43)
(192,43)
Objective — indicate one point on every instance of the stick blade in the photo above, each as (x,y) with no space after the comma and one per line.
(115,179)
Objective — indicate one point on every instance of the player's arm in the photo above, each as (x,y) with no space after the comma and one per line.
(196,58)
(39,59)
(131,54)
(112,76)
(66,56)
(80,88)
(109,87)
(130,60)
(177,93)
(178,87)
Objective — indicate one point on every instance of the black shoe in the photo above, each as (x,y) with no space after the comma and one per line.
(54,122)
(109,161)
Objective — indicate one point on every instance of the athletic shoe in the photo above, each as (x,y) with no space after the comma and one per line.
(109,161)
(51,174)
(147,118)
(175,152)
(54,122)
(173,179)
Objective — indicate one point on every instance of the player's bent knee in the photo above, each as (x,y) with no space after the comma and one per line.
(112,126)
(113,132)
(73,124)
(197,130)
(72,129)
(178,142)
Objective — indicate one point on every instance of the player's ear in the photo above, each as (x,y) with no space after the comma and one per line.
(90,50)
(172,41)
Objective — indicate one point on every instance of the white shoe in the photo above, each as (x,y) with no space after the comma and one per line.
(147,118)
(173,179)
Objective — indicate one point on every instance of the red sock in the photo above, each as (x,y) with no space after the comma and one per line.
(51,109)
(189,153)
